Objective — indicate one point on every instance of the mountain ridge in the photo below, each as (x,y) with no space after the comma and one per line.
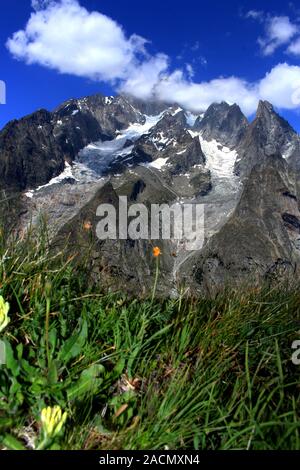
(245,173)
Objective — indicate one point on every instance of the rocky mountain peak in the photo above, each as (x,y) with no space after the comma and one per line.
(270,121)
(267,135)
(224,123)
(150,107)
(264,108)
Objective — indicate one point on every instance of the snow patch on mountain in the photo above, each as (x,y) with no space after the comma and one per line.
(66,174)
(159,163)
(288,150)
(219,159)
(191,118)
(160,138)
(83,174)
(161,141)
(176,111)
(98,155)
(193,133)
(108,100)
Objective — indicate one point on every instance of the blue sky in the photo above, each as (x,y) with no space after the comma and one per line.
(195,51)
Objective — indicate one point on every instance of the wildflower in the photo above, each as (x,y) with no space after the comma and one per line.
(4,318)
(156,252)
(52,420)
(87,225)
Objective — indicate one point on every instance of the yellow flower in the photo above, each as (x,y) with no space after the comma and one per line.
(156,251)
(4,318)
(52,420)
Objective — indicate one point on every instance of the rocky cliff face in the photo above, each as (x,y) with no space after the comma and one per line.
(115,264)
(33,150)
(266,136)
(29,152)
(224,123)
(261,240)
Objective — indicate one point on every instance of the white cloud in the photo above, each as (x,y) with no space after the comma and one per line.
(255,15)
(190,70)
(2,92)
(278,31)
(294,47)
(143,79)
(198,96)
(281,85)
(40,4)
(64,36)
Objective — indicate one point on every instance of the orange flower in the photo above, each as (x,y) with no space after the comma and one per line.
(87,225)
(156,251)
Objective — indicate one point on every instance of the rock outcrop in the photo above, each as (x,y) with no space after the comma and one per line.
(261,240)
(224,123)
(268,135)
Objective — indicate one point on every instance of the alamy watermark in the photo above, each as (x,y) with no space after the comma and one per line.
(296,353)
(179,222)
(2,92)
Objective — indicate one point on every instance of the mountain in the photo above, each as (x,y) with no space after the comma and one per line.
(169,140)
(116,264)
(92,150)
(266,136)
(29,152)
(261,239)
(224,123)
(33,150)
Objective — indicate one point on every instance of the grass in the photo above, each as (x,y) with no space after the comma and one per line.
(207,373)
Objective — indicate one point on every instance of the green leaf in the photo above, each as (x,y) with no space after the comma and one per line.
(119,367)
(74,345)
(12,443)
(88,383)
(11,363)
(131,360)
(125,397)
(53,339)
(19,349)
(52,373)
(93,371)
(30,371)
(38,385)
(55,446)
(5,423)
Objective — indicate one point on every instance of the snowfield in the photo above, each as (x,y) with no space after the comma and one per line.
(67,173)
(219,159)
(95,158)
(98,155)
(159,163)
